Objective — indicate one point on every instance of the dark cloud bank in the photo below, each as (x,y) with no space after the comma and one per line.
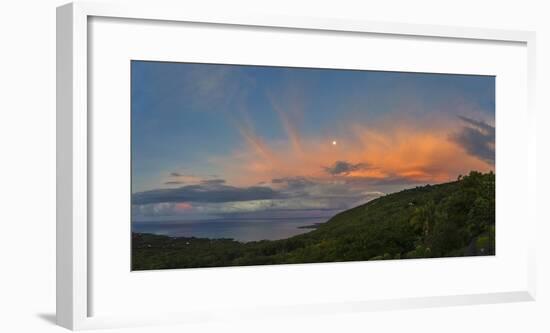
(477,138)
(344,168)
(213,192)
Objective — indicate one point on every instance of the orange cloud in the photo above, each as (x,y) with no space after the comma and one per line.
(423,155)
(183,206)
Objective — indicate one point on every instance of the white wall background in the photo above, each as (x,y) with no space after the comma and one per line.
(27,166)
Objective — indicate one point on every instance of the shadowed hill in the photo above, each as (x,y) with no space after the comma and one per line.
(445,220)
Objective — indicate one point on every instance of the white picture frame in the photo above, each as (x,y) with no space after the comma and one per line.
(73,253)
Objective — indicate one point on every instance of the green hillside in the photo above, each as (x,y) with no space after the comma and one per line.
(445,220)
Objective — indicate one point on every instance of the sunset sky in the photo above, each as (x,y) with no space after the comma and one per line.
(226,141)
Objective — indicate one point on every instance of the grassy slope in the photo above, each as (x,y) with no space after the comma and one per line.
(451,219)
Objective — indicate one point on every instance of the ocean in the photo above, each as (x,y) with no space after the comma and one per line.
(240,230)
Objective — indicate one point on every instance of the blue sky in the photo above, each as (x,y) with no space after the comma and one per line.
(272,137)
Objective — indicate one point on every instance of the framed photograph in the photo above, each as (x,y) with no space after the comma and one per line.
(270,165)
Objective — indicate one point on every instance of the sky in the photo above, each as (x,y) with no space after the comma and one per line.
(227,141)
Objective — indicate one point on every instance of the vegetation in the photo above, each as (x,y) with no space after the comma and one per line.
(445,220)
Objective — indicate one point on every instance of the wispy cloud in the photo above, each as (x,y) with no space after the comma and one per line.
(213,181)
(289,109)
(174,182)
(183,178)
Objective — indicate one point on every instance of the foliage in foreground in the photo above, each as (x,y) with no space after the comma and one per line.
(445,220)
